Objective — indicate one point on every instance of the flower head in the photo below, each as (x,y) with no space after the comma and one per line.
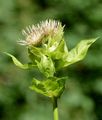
(34,35)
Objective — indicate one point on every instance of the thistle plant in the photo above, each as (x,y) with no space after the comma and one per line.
(48,52)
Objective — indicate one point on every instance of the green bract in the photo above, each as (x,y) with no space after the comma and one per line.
(52,87)
(76,54)
(48,52)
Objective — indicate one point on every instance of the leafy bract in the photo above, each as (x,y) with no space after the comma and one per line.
(34,54)
(18,63)
(58,51)
(76,54)
(46,66)
(36,51)
(52,87)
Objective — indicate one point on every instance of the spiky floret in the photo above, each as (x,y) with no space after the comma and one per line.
(34,34)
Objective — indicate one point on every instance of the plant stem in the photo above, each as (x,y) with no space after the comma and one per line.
(55,108)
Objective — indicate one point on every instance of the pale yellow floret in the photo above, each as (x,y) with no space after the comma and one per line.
(34,34)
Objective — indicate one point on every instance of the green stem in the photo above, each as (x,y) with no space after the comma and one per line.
(55,108)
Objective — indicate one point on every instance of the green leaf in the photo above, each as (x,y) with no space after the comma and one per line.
(52,87)
(33,57)
(59,51)
(38,86)
(76,54)
(46,66)
(36,51)
(18,63)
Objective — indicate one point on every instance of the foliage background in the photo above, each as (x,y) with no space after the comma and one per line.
(82,99)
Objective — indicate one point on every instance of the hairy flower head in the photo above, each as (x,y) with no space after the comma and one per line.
(34,35)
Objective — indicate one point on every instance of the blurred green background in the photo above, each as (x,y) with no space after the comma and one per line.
(82,99)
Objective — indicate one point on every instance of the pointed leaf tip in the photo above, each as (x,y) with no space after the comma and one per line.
(17,62)
(78,53)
